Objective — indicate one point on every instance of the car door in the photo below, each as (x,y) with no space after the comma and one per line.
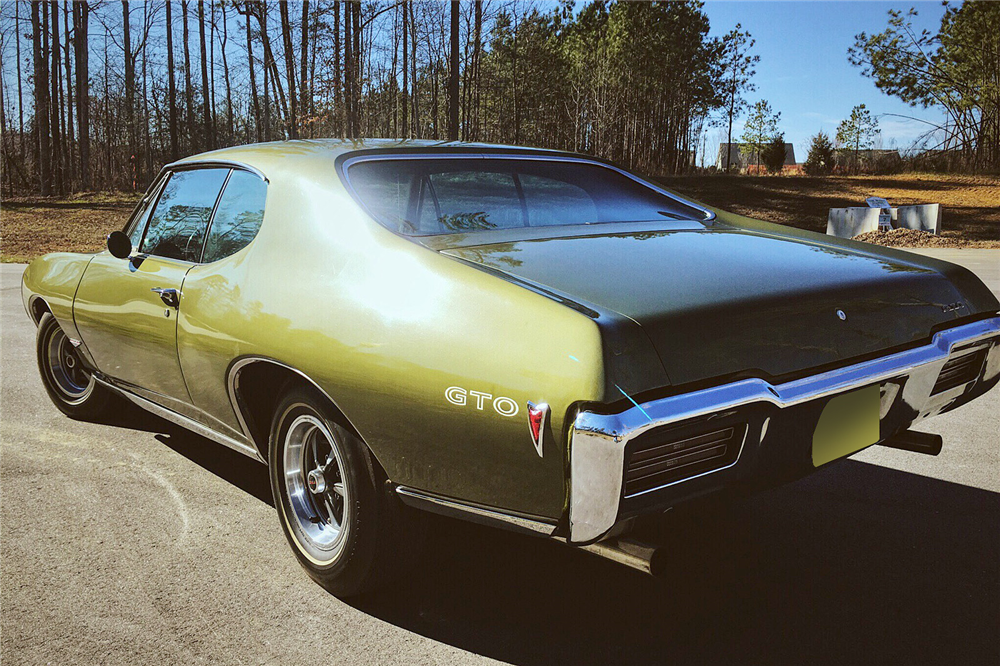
(126,309)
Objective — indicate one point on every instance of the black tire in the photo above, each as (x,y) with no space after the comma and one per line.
(351,547)
(67,378)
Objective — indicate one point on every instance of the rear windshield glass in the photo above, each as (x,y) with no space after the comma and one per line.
(442,196)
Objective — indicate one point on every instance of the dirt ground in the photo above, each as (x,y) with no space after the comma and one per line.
(32,226)
(970,204)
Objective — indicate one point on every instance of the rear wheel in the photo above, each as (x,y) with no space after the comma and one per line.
(343,522)
(68,379)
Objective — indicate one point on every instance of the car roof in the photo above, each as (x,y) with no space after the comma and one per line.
(307,154)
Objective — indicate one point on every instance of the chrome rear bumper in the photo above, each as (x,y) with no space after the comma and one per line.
(598,441)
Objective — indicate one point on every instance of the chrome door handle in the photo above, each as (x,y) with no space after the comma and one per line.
(169,296)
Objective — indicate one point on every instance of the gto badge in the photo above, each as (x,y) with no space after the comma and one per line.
(458,396)
(951,307)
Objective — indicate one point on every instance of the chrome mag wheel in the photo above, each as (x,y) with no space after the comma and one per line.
(316,492)
(66,369)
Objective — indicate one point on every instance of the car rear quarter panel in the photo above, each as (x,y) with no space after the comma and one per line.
(385,327)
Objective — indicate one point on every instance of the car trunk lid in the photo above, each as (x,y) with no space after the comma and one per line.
(719,301)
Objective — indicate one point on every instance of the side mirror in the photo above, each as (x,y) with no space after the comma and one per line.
(119,244)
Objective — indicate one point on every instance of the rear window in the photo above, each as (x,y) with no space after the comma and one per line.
(429,196)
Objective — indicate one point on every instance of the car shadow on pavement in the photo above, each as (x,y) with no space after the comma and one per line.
(856,564)
(232,466)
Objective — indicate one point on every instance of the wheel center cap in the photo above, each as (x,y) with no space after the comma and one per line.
(70,361)
(316,482)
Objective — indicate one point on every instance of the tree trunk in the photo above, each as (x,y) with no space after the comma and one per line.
(225,74)
(286,40)
(54,102)
(349,69)
(147,144)
(338,96)
(188,82)
(130,94)
(304,88)
(312,64)
(171,87)
(108,173)
(477,54)
(406,83)
(20,95)
(262,18)
(356,68)
(213,112)
(70,132)
(206,109)
(271,68)
(414,95)
(453,76)
(253,78)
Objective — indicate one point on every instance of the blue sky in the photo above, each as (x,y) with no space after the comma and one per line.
(804,72)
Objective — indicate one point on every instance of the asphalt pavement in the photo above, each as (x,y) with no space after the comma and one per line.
(137,542)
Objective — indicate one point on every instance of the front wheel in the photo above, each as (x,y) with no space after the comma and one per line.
(68,380)
(342,521)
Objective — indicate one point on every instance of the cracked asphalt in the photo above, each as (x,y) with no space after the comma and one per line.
(138,542)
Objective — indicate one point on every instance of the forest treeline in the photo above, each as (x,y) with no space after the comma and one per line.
(102,93)
(109,91)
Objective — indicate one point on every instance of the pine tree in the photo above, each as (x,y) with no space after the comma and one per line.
(820,159)
(773,154)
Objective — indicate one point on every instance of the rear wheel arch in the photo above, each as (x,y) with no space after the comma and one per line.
(37,307)
(256,386)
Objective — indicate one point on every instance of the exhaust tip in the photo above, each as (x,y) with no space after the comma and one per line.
(917,442)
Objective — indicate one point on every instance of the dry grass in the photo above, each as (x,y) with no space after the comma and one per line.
(970,204)
(32,226)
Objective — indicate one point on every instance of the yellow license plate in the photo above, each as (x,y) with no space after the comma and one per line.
(848,424)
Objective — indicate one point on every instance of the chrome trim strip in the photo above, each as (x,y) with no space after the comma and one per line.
(471,512)
(183,421)
(597,441)
(350,161)
(201,164)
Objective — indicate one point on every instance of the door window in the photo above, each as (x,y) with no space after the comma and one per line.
(178,224)
(238,216)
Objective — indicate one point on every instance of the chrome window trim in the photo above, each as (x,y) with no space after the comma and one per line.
(351,161)
(196,166)
(156,189)
(181,165)
(598,441)
(474,513)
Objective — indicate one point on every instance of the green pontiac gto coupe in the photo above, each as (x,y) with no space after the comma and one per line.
(527,338)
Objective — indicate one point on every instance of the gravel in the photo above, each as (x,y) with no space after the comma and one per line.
(907,238)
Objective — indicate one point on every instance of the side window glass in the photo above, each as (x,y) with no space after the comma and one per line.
(178,224)
(238,217)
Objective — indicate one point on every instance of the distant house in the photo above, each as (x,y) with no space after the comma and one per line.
(741,162)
